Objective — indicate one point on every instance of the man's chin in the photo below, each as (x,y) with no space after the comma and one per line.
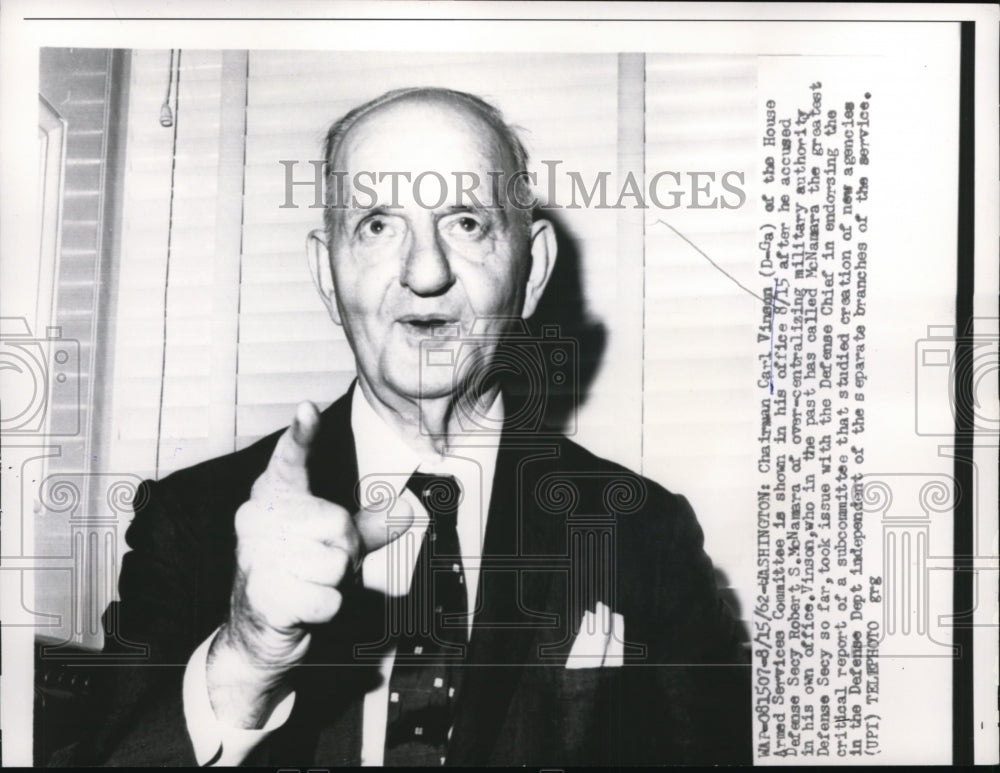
(416,389)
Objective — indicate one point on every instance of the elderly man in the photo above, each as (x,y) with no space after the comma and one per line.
(396,580)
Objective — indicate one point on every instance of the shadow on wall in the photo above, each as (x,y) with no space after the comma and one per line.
(548,375)
(549,390)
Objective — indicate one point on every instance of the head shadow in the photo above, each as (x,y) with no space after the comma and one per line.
(561,323)
(731,600)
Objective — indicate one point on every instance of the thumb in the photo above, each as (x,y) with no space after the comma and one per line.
(380,527)
(288,461)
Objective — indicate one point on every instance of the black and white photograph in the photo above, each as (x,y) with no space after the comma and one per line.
(498,384)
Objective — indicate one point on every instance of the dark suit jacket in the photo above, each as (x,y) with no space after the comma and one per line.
(566,529)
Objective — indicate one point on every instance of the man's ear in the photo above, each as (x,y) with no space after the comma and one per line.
(543,260)
(319,266)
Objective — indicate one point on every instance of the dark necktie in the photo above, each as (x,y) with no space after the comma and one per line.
(431,622)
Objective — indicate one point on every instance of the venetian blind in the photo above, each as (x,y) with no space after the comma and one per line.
(77,83)
(178,301)
(700,334)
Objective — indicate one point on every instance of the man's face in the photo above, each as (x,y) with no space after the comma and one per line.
(419,261)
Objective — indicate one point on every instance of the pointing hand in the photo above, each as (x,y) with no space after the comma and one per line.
(293,552)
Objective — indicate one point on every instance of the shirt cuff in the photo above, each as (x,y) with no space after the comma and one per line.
(214,742)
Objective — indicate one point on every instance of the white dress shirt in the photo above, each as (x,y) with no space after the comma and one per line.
(385,463)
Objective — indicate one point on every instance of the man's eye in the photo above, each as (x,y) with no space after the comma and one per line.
(466,227)
(375,227)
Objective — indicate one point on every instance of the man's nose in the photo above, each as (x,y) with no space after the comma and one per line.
(426,269)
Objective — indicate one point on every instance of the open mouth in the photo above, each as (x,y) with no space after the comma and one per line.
(428,323)
(431,324)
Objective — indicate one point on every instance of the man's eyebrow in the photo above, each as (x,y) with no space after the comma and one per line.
(353,213)
(474,207)
(495,215)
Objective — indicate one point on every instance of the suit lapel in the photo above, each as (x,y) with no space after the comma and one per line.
(333,463)
(516,609)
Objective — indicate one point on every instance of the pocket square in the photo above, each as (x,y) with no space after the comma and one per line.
(599,642)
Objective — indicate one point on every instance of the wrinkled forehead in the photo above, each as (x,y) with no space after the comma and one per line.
(423,134)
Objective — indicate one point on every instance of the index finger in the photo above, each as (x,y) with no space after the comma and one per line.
(291,453)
